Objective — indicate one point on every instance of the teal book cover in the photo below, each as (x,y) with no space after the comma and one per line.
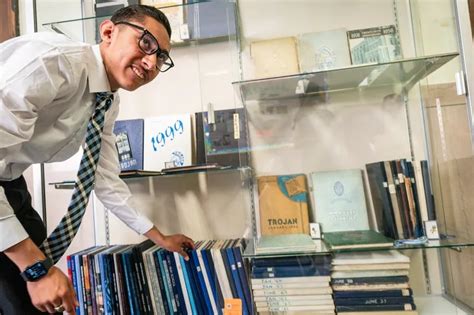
(357,239)
(339,200)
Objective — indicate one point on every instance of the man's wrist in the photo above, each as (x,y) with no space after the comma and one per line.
(38,270)
(24,254)
(155,235)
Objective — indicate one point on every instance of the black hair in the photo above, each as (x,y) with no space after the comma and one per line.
(138,11)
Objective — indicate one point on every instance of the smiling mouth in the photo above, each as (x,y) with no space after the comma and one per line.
(139,73)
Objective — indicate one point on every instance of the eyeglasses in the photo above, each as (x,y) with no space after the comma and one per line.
(149,45)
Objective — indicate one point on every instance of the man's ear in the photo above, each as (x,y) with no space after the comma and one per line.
(106,29)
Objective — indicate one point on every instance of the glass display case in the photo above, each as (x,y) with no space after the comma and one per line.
(357,123)
(348,137)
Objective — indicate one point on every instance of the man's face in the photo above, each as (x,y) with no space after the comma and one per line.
(127,66)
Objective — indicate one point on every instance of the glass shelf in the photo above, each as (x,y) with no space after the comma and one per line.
(401,73)
(85,28)
(145,174)
(321,248)
(223,169)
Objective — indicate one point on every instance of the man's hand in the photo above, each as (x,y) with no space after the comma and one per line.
(177,243)
(174,243)
(53,290)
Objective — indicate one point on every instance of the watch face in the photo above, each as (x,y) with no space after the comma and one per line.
(36,271)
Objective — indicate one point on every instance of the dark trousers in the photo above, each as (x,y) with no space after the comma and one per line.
(14,298)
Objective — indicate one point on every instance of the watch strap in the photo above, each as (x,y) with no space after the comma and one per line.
(46,263)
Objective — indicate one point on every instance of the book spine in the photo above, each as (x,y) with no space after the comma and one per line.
(243,277)
(416,196)
(394,199)
(283,272)
(178,293)
(159,257)
(303,284)
(372,294)
(94,282)
(401,200)
(146,300)
(124,306)
(80,283)
(311,260)
(296,308)
(374,301)
(285,292)
(236,279)
(153,286)
(194,286)
(72,275)
(131,289)
(370,280)
(428,192)
(288,280)
(206,281)
(292,298)
(221,274)
(380,194)
(202,284)
(368,308)
(420,187)
(113,283)
(211,275)
(182,282)
(228,273)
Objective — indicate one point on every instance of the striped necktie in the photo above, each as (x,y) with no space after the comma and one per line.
(59,240)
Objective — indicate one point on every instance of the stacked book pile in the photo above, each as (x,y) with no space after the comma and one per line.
(145,279)
(292,284)
(372,283)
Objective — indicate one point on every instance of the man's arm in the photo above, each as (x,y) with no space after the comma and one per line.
(26,88)
(175,243)
(114,193)
(53,289)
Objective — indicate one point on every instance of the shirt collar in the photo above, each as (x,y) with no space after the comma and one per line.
(98,81)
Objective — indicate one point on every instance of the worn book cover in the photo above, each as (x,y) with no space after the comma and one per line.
(275,57)
(283,204)
(374,45)
(167,142)
(222,139)
(380,193)
(368,258)
(129,143)
(323,50)
(211,19)
(357,239)
(339,200)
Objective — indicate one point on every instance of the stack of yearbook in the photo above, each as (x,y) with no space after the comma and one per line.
(146,279)
(372,283)
(292,284)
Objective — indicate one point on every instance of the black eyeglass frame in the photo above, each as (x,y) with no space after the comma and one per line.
(158,51)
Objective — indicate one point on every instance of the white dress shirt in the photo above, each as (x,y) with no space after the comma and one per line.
(47,95)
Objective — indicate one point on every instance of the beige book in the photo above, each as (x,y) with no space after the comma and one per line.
(283,204)
(275,57)
(369,273)
(371,267)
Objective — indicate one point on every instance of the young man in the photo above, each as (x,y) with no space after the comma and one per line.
(48,89)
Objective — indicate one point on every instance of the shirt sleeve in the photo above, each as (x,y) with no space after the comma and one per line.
(24,93)
(12,230)
(110,188)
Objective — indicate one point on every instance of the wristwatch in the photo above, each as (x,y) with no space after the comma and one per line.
(37,270)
